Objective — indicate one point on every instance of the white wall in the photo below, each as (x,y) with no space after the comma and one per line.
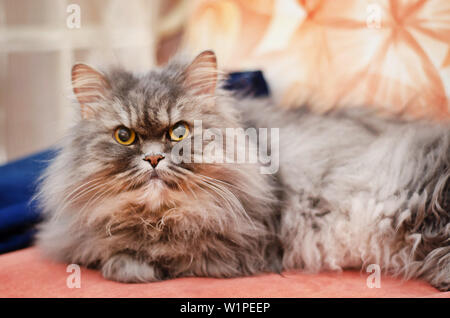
(37,50)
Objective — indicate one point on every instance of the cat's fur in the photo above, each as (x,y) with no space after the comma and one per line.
(353,189)
(359,189)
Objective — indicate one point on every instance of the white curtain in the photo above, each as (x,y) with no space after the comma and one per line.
(38,48)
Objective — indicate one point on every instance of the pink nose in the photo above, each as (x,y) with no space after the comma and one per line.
(154,159)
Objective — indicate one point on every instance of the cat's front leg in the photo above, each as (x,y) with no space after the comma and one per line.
(127,269)
(437,268)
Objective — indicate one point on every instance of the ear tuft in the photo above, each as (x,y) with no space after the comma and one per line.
(89,86)
(201,74)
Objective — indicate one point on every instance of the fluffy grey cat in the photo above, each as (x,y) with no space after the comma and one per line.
(353,188)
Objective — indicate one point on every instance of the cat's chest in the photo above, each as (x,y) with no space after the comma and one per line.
(181,220)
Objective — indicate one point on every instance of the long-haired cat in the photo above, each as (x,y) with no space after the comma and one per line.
(352,189)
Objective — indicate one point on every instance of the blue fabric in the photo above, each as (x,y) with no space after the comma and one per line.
(18,214)
(18,179)
(250,84)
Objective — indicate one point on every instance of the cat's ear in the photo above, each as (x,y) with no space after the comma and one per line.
(201,74)
(89,86)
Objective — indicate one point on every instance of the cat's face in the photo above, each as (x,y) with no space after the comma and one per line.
(130,125)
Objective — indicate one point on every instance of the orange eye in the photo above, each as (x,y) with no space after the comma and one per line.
(179,131)
(124,136)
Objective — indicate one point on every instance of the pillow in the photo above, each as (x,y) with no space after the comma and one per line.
(391,55)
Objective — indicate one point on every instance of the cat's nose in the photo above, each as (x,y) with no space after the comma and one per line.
(154,159)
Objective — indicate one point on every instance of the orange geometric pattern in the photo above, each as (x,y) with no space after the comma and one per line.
(390,54)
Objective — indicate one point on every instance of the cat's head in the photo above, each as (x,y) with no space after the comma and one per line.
(130,124)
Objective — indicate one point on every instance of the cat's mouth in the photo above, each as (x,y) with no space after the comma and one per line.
(154,175)
(157,178)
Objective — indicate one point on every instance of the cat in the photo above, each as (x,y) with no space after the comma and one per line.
(353,188)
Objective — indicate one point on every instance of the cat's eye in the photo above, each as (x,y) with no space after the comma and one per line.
(179,131)
(124,136)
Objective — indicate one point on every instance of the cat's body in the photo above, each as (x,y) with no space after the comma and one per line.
(352,189)
(360,189)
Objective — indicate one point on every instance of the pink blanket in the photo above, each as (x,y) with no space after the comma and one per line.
(26,274)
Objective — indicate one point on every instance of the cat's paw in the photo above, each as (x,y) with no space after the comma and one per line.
(126,269)
(443,286)
(441,277)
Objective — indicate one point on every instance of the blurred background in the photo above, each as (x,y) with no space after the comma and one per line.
(393,55)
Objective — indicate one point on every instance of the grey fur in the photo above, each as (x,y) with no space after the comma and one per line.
(102,211)
(361,189)
(353,189)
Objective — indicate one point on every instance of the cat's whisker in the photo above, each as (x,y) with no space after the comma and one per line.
(95,198)
(85,192)
(82,185)
(229,198)
(230,185)
(178,174)
(69,200)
